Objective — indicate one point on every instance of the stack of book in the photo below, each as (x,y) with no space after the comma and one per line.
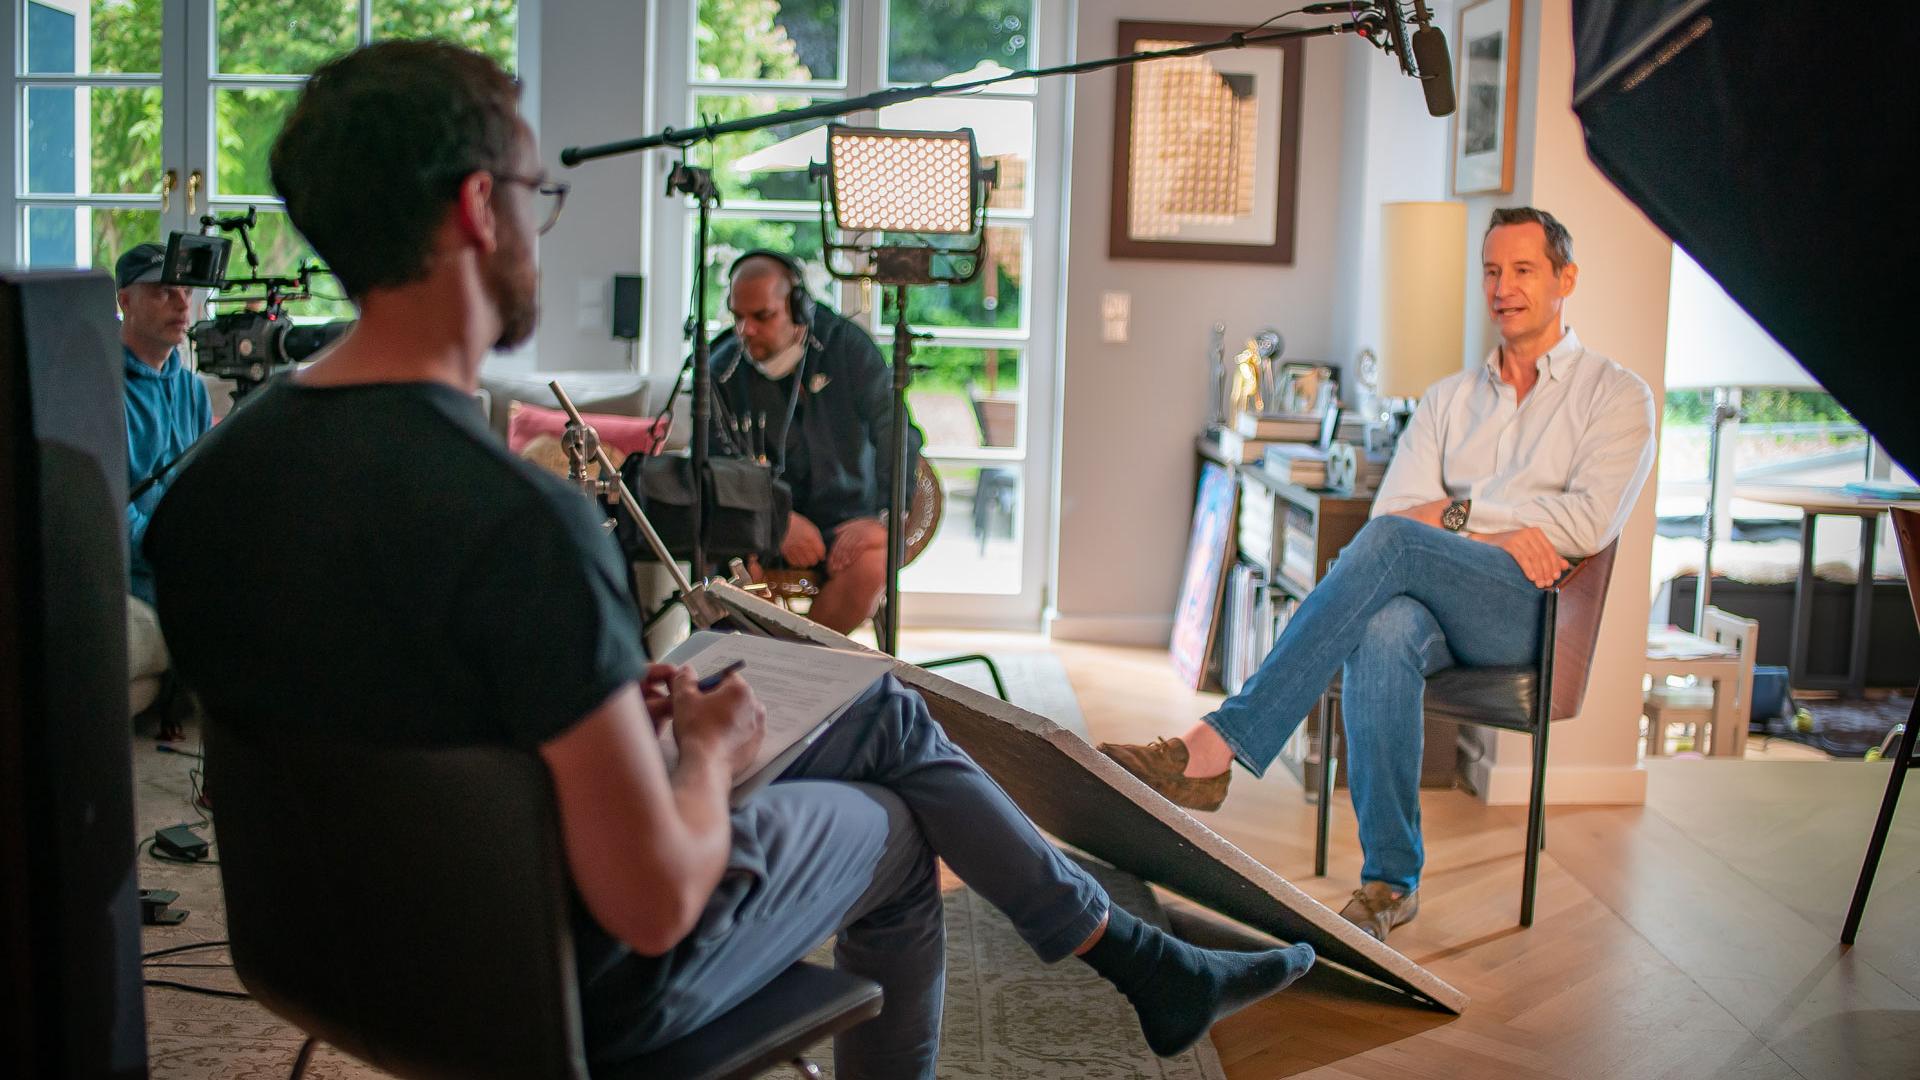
(1306,465)
(1247,440)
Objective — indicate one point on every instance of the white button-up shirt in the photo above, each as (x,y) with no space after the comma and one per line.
(1569,459)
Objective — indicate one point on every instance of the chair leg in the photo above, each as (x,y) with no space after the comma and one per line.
(1880,826)
(300,1060)
(1329,761)
(1536,825)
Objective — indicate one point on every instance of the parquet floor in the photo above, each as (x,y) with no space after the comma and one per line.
(1697,936)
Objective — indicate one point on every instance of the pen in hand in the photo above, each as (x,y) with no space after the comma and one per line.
(712,682)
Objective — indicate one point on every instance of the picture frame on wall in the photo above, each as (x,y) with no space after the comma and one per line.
(1487,121)
(1206,148)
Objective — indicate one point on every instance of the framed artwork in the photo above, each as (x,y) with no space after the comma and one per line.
(1206,149)
(1489,97)
(1196,618)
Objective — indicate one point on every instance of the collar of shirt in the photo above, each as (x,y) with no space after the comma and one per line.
(139,368)
(1557,362)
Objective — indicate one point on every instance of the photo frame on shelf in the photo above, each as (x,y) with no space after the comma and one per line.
(1304,388)
(1206,148)
(1487,60)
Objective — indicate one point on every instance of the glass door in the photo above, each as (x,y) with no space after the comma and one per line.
(983,389)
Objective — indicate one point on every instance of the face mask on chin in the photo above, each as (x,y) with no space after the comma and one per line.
(782,363)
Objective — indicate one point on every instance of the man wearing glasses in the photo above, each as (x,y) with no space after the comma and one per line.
(438,591)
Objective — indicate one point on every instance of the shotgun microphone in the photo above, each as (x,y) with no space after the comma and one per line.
(1430,56)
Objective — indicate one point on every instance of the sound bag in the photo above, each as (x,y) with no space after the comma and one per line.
(746,510)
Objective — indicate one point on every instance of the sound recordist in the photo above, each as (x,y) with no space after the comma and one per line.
(805,388)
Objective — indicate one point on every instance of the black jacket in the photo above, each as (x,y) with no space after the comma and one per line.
(843,419)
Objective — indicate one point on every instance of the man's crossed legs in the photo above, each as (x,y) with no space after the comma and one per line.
(846,841)
(1403,601)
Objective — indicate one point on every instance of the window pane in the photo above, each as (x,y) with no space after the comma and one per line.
(732,237)
(247,123)
(489,27)
(976,548)
(53,232)
(930,39)
(110,36)
(990,301)
(966,398)
(99,140)
(114,231)
(778,40)
(775,158)
(1002,135)
(282,251)
(283,37)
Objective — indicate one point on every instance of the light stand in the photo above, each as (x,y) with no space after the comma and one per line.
(689,180)
(582,445)
(903,186)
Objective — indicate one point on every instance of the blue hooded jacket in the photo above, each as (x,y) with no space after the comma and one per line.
(167,410)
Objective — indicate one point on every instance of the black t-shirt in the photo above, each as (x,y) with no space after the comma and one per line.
(369,560)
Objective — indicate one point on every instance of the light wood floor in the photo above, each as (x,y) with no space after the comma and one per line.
(1697,936)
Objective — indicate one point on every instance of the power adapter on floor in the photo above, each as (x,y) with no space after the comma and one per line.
(180,842)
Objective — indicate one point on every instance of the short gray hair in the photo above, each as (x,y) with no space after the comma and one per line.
(1559,240)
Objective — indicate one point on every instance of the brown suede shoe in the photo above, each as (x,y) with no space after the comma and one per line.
(1376,910)
(1159,765)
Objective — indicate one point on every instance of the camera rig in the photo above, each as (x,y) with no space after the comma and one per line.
(259,341)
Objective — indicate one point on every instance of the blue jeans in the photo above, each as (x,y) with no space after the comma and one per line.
(1403,601)
(845,841)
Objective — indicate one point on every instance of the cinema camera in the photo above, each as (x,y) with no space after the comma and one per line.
(260,341)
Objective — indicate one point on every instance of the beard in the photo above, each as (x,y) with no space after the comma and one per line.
(512,281)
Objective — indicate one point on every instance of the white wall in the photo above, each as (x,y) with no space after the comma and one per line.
(1619,308)
(1394,152)
(593,88)
(1130,411)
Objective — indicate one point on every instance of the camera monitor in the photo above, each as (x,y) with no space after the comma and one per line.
(195,260)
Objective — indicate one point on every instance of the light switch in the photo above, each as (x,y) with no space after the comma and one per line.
(1115,307)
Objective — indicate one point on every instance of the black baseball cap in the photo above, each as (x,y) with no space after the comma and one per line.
(141,264)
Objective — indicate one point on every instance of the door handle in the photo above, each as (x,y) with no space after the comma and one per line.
(193,191)
(167,183)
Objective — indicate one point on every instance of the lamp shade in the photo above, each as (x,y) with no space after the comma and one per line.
(1422,294)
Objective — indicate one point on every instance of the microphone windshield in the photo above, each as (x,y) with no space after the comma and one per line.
(1436,69)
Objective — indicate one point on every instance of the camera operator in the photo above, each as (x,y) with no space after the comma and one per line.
(167,409)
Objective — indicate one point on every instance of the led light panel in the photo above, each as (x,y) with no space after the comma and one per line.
(902,181)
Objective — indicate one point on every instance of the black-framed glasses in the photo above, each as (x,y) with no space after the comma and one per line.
(547,188)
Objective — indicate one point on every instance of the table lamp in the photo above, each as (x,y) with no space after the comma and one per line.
(1423,301)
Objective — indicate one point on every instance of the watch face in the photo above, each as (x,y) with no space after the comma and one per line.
(1455,517)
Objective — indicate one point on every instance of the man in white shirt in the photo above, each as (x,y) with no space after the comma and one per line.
(1507,471)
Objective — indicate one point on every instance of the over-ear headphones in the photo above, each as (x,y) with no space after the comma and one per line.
(799,304)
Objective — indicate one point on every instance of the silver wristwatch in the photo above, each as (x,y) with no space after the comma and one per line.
(1454,517)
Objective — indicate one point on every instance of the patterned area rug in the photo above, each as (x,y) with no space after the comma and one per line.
(1007,1015)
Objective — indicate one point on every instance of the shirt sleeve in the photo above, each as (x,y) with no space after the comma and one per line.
(545,622)
(1413,476)
(1611,462)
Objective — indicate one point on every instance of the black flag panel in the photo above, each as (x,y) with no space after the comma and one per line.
(1768,140)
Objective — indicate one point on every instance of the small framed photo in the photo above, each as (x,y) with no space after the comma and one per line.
(1484,127)
(1306,389)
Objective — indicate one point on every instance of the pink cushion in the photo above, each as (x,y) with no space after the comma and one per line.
(621,435)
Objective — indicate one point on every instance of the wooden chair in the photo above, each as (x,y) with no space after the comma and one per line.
(1906,528)
(1726,706)
(1525,698)
(410,907)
